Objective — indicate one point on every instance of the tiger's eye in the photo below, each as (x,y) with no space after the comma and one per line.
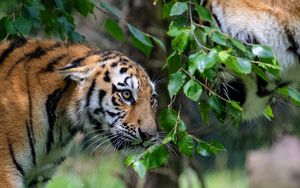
(126,94)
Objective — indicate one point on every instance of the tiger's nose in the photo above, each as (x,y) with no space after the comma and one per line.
(145,135)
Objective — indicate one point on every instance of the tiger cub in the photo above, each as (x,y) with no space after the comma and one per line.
(52,90)
(275,23)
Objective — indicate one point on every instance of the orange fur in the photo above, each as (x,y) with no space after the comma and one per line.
(29,75)
(285,10)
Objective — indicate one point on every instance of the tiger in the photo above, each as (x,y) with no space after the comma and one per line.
(275,23)
(52,90)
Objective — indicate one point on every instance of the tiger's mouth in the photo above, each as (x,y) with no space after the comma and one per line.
(121,143)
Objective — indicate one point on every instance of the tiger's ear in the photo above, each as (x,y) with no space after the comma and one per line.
(78,73)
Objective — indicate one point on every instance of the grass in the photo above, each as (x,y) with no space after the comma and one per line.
(103,172)
(86,172)
(226,179)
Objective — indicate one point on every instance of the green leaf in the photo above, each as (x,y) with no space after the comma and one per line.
(186,145)
(84,7)
(262,51)
(139,35)
(193,90)
(143,48)
(215,104)
(215,147)
(239,65)
(204,13)
(295,96)
(283,91)
(203,149)
(239,45)
(259,72)
(204,110)
(236,105)
(23,25)
(159,43)
(131,159)
(173,63)
(114,29)
(180,42)
(178,8)
(111,9)
(155,157)
(139,168)
(168,119)
(201,36)
(219,38)
(178,25)
(223,56)
(3,33)
(193,62)
(268,112)
(176,81)
(10,27)
(203,61)
(167,9)
(76,37)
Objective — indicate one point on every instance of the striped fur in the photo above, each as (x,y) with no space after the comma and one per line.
(52,90)
(275,23)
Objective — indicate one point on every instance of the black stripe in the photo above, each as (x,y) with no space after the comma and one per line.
(114,64)
(217,21)
(69,137)
(77,109)
(30,139)
(37,53)
(34,183)
(98,111)
(126,79)
(262,90)
(60,160)
(52,63)
(114,88)
(13,157)
(294,46)
(14,44)
(106,77)
(97,124)
(51,104)
(120,117)
(30,108)
(114,101)
(112,114)
(216,17)
(123,70)
(102,93)
(121,84)
(77,62)
(89,93)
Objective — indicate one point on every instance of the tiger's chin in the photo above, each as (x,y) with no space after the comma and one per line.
(132,150)
(129,148)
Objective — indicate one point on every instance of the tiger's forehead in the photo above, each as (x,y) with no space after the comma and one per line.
(122,70)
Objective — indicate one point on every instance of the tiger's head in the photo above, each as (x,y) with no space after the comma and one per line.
(114,98)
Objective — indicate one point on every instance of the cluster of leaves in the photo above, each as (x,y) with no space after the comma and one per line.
(199,50)
(55,16)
